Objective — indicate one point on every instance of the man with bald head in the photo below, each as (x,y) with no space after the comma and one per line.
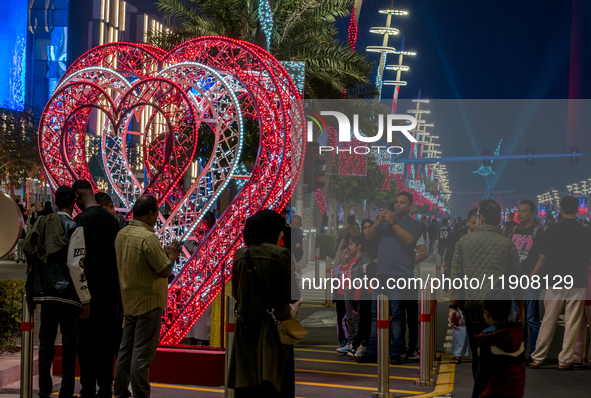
(98,332)
(144,267)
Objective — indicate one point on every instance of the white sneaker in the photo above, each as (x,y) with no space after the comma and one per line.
(360,351)
(351,352)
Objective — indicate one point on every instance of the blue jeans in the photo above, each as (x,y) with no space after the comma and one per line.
(460,340)
(532,318)
(397,324)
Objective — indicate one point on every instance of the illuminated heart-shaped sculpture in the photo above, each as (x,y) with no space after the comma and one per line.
(208,85)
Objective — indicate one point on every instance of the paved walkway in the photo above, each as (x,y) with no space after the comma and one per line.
(321,372)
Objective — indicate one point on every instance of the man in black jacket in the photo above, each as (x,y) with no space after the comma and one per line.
(98,333)
(55,252)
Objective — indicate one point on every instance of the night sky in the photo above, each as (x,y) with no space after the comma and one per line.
(494,50)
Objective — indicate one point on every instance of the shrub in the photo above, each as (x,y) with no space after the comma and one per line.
(11,309)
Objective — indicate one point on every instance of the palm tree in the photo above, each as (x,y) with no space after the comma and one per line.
(303,30)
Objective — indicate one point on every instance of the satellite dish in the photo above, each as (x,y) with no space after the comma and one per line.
(12,224)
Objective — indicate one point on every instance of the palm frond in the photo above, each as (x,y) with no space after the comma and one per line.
(179,9)
(304,30)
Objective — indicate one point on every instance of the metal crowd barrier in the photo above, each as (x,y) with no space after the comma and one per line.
(428,340)
(383,326)
(230,327)
(27,326)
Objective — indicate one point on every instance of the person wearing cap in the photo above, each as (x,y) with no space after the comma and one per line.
(55,250)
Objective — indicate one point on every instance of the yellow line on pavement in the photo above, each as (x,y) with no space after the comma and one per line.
(186,388)
(347,387)
(352,374)
(354,363)
(445,380)
(307,349)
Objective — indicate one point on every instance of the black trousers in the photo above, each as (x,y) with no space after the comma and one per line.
(54,314)
(341,311)
(96,344)
(474,330)
(364,331)
(431,242)
(412,320)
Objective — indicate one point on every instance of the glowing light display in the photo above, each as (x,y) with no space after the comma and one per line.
(583,205)
(266,20)
(207,83)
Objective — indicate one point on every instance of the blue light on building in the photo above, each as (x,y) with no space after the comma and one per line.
(13,48)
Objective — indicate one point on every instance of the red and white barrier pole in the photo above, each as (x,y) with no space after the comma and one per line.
(27,326)
(426,361)
(383,326)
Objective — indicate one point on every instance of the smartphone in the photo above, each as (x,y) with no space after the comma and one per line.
(181,245)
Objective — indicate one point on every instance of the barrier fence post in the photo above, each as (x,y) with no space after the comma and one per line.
(230,327)
(328,272)
(317,264)
(383,326)
(27,326)
(426,351)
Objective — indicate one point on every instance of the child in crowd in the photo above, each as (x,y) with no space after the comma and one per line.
(361,266)
(501,372)
(351,318)
(338,297)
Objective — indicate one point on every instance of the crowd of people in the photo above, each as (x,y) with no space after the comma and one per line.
(481,244)
(104,282)
(390,247)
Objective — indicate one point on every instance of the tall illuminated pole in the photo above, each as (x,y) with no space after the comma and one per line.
(399,69)
(384,49)
(418,112)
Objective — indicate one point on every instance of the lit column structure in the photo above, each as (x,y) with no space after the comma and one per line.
(417,148)
(385,49)
(399,68)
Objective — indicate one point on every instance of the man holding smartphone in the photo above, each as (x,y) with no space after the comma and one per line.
(397,234)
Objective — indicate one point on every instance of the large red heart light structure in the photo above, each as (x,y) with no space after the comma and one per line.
(206,86)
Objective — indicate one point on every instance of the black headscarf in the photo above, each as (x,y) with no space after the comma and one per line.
(263,227)
(47,209)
